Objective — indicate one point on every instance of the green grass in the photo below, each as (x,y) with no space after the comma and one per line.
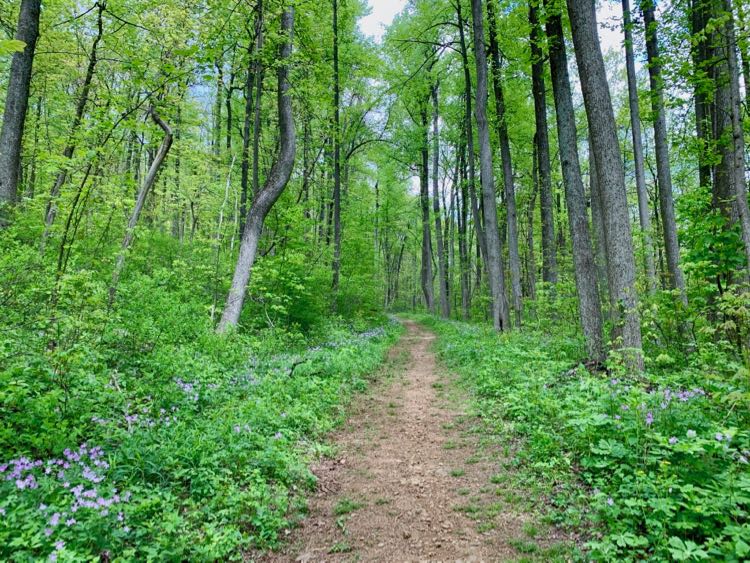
(347,506)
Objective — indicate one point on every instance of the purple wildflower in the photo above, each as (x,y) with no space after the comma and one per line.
(719,436)
(70,522)
(649,418)
(691,434)
(610,501)
(59,545)
(673,440)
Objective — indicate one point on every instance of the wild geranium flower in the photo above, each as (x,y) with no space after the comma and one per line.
(625,407)
(610,501)
(71,522)
(55,519)
(649,418)
(278,436)
(48,532)
(691,434)
(59,545)
(673,440)
(719,436)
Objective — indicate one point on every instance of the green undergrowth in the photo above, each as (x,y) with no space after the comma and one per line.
(648,467)
(131,446)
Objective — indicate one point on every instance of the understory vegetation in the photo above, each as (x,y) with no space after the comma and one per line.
(652,466)
(140,433)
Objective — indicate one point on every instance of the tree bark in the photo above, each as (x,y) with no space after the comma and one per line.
(445,310)
(500,317)
(549,251)
(277,179)
(148,182)
(17,102)
(253,53)
(675,279)
(640,169)
(469,116)
(589,306)
(611,176)
(424,200)
(739,179)
(463,245)
(505,156)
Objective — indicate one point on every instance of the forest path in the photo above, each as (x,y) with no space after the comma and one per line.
(413,479)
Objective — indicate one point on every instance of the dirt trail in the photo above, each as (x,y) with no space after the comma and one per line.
(412,479)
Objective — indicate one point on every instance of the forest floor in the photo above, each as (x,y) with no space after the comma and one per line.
(415,477)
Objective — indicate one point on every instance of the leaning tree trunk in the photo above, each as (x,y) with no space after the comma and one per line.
(277,179)
(638,161)
(549,251)
(445,310)
(500,317)
(661,144)
(611,176)
(148,183)
(424,200)
(17,102)
(589,306)
(509,188)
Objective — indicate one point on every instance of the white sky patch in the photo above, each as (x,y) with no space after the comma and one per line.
(381,16)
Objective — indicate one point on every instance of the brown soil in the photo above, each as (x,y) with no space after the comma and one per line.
(413,480)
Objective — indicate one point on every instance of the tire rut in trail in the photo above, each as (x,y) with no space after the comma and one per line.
(412,480)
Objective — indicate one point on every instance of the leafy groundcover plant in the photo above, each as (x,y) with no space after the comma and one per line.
(192,452)
(655,466)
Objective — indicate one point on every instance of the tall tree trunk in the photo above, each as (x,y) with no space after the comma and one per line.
(500,317)
(661,142)
(589,306)
(83,97)
(530,249)
(424,200)
(258,72)
(640,170)
(468,117)
(445,310)
(336,157)
(17,102)
(739,180)
(598,232)
(549,252)
(253,53)
(463,245)
(505,156)
(611,176)
(148,182)
(276,181)
(217,138)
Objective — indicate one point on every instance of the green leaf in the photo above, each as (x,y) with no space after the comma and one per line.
(9,46)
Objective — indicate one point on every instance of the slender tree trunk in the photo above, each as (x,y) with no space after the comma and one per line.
(277,179)
(424,199)
(469,116)
(500,317)
(258,72)
(661,142)
(505,156)
(83,97)
(17,102)
(549,254)
(530,248)
(148,182)
(463,247)
(611,176)
(702,109)
(589,306)
(640,170)
(442,268)
(218,105)
(336,157)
